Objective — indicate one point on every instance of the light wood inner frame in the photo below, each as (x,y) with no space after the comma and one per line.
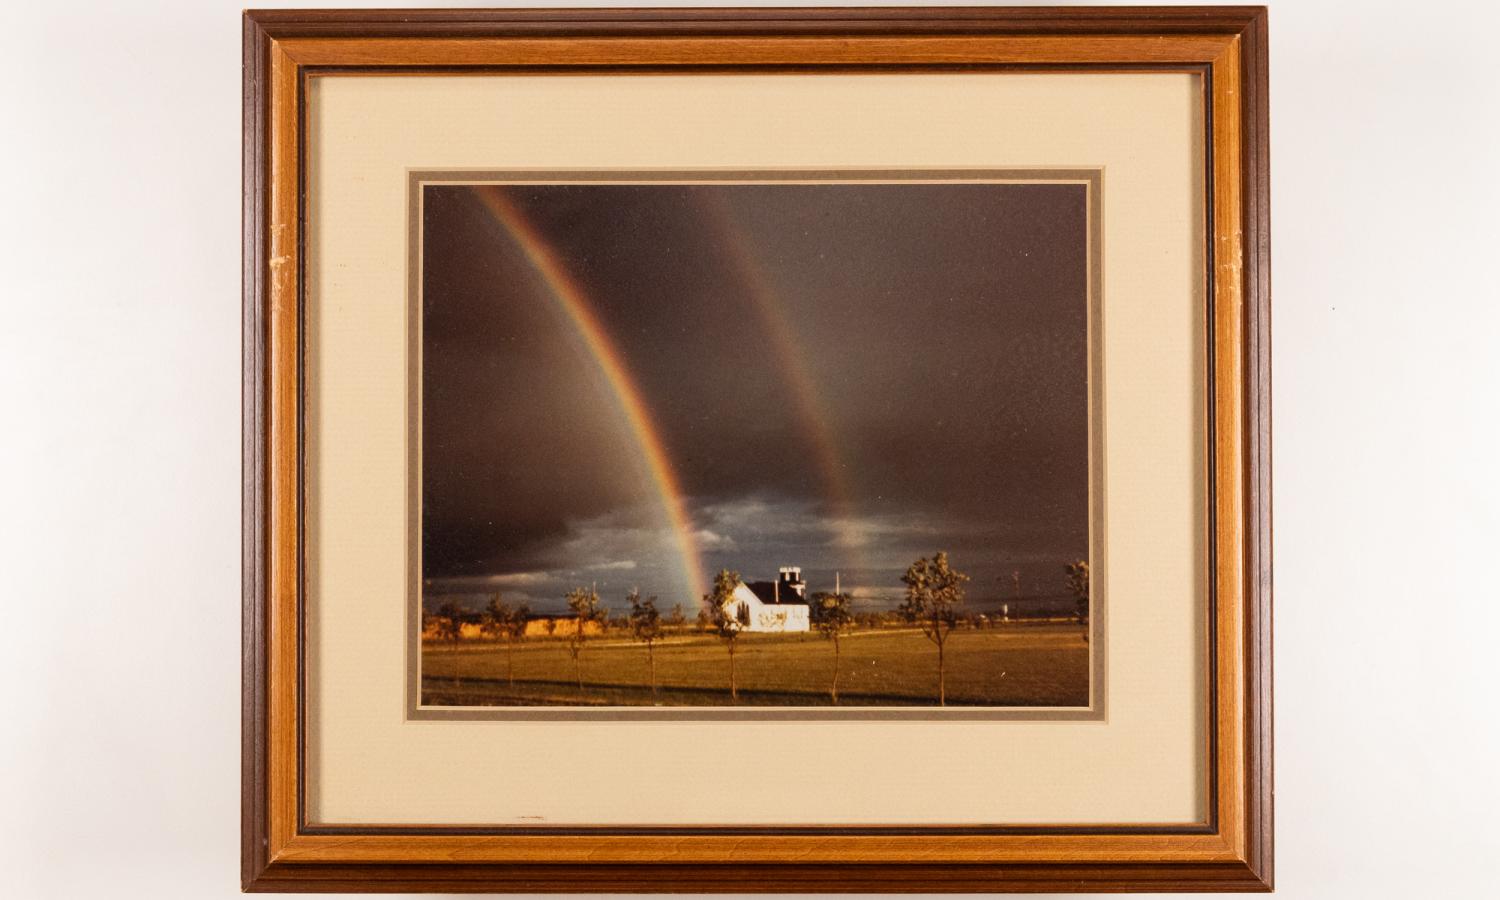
(1224,838)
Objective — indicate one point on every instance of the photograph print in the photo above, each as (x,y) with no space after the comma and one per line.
(755,440)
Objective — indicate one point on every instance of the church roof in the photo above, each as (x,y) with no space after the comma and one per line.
(765,591)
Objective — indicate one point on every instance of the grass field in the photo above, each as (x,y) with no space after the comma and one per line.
(1014,665)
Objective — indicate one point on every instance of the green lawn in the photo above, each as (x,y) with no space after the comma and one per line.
(1015,665)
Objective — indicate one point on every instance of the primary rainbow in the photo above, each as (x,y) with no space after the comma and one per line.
(572,301)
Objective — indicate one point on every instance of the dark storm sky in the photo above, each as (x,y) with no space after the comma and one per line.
(941,329)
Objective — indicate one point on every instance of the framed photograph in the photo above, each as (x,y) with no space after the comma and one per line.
(757,450)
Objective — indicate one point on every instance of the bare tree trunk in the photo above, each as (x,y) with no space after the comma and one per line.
(651,655)
(577,652)
(734,693)
(834,691)
(942,677)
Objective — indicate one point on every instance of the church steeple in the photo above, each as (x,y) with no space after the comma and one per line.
(790,577)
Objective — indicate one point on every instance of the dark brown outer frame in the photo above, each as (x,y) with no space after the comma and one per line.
(1233,851)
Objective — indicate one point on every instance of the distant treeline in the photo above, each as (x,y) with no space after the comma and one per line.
(472,623)
(869,609)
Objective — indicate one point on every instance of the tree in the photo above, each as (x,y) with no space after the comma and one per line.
(727,625)
(1077,575)
(584,602)
(450,627)
(676,619)
(508,623)
(934,591)
(832,615)
(645,626)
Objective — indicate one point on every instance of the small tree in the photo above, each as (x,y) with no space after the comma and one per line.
(934,591)
(1077,576)
(676,620)
(584,602)
(450,627)
(509,624)
(832,615)
(723,622)
(645,626)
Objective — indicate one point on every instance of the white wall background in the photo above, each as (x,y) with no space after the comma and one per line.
(120,471)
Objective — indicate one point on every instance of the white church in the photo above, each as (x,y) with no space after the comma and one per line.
(779,605)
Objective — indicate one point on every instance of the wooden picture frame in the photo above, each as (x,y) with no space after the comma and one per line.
(1231,850)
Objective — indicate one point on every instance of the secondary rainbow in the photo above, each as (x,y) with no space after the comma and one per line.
(791,363)
(573,302)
